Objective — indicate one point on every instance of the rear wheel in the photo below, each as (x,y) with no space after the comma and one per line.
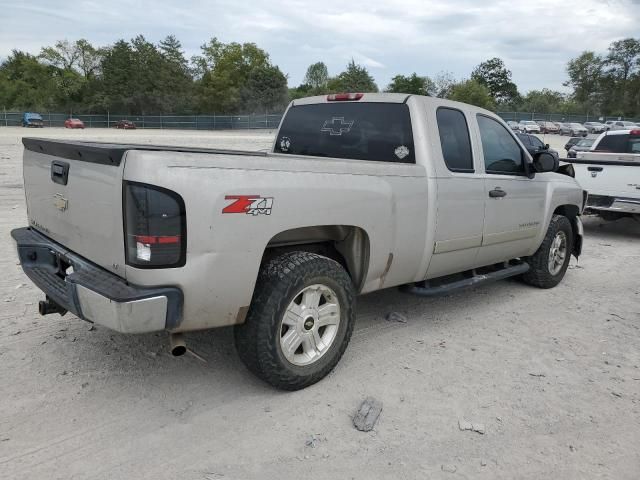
(550,262)
(300,320)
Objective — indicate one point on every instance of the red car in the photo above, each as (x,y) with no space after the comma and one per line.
(73,123)
(125,124)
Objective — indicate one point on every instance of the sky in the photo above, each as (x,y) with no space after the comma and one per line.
(535,39)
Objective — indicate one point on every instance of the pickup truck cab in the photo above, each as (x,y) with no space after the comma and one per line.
(361,192)
(610,172)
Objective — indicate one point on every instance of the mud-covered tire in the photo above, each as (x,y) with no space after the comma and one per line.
(279,283)
(540,274)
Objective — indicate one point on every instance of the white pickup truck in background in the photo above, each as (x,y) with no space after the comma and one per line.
(610,172)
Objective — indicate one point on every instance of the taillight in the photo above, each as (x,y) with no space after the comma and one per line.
(634,132)
(155,226)
(344,97)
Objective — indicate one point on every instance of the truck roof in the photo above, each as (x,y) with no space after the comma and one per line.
(391,98)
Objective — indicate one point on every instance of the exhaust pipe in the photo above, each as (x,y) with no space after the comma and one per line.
(48,306)
(177,345)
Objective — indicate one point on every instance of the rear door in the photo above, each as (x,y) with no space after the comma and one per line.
(74,196)
(460,211)
(514,203)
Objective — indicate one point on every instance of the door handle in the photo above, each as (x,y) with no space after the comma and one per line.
(497,192)
(595,169)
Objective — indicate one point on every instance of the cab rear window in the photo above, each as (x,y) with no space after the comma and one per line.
(624,143)
(359,131)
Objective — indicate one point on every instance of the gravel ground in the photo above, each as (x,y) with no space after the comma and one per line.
(551,377)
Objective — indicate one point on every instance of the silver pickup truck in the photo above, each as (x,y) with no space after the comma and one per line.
(361,192)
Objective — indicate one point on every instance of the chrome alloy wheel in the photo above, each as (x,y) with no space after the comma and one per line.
(557,253)
(310,325)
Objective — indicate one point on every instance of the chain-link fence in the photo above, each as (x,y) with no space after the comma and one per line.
(230,122)
(185,122)
(559,117)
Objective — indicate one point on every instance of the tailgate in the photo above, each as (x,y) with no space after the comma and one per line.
(74,196)
(608,179)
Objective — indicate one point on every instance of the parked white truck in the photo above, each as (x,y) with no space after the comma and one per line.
(361,192)
(610,172)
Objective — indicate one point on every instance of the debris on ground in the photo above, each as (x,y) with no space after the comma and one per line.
(473,427)
(367,414)
(313,440)
(537,374)
(395,317)
(449,468)
(483,463)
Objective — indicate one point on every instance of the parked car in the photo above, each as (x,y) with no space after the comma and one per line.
(179,240)
(573,129)
(30,119)
(609,124)
(583,145)
(595,127)
(571,142)
(125,124)
(73,123)
(513,125)
(610,172)
(534,145)
(528,126)
(549,127)
(622,125)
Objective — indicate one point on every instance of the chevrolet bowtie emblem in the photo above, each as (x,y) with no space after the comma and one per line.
(60,202)
(337,126)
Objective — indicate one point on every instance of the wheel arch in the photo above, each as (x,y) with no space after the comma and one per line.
(349,245)
(572,212)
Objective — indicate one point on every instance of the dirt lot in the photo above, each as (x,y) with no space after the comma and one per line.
(553,377)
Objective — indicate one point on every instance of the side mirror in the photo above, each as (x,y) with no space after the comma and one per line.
(545,162)
(546,146)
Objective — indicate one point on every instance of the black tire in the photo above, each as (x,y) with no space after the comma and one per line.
(539,274)
(279,282)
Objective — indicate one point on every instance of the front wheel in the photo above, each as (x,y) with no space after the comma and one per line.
(299,322)
(550,262)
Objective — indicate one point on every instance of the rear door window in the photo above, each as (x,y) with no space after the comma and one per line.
(454,140)
(359,131)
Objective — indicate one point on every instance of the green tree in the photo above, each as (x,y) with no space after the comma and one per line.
(444,82)
(25,83)
(474,93)
(412,84)
(317,77)
(585,77)
(224,70)
(543,101)
(355,78)
(496,77)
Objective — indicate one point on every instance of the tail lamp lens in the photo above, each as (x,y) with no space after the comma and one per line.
(155,226)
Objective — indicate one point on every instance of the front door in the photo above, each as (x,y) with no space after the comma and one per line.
(514,203)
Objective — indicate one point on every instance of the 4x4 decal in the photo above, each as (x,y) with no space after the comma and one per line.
(249,204)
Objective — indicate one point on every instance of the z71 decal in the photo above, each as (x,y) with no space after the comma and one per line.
(249,204)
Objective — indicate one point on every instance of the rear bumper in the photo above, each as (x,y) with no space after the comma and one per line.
(93,293)
(613,204)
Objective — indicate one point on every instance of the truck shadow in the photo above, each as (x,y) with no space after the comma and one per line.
(624,228)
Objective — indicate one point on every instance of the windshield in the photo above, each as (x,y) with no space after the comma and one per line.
(529,122)
(359,131)
(585,143)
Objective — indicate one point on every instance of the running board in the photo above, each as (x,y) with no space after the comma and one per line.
(425,290)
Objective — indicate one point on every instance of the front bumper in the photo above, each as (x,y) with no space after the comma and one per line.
(92,293)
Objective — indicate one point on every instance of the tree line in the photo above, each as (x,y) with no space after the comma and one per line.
(139,77)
